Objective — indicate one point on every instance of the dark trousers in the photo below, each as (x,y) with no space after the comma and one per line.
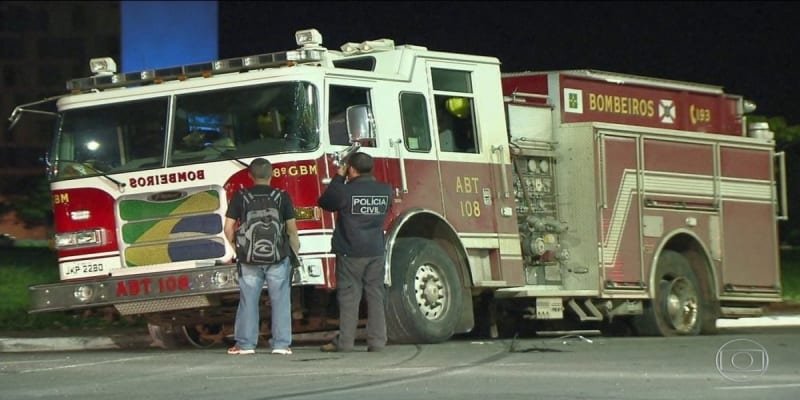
(354,275)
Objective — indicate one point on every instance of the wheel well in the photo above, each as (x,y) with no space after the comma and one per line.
(698,257)
(431,226)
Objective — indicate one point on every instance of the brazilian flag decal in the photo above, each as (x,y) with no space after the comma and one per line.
(196,203)
(171,229)
(184,250)
(171,226)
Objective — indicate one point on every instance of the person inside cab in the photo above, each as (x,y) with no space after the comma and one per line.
(271,136)
(454,121)
(220,140)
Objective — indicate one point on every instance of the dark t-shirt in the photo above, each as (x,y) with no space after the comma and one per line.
(235,206)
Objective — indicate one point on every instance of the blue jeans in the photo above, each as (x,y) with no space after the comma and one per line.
(251,283)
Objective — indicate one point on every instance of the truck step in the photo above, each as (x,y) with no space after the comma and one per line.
(739,312)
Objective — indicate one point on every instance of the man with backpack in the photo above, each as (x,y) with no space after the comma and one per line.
(361,204)
(267,233)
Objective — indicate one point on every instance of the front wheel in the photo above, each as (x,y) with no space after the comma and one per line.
(166,336)
(678,307)
(205,335)
(425,299)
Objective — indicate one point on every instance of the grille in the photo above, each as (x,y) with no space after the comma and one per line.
(158,305)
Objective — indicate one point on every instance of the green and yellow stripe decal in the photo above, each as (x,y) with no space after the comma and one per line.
(171,229)
(196,203)
(197,249)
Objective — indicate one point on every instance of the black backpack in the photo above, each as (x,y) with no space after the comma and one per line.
(261,238)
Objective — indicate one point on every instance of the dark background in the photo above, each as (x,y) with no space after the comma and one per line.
(746,47)
(750,49)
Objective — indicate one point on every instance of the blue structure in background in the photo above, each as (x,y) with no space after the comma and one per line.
(158,34)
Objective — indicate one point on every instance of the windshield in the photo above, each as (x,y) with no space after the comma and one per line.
(114,138)
(208,126)
(245,122)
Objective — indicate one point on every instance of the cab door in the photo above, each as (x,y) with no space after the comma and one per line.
(471,144)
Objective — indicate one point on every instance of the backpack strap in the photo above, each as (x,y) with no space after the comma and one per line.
(247,198)
(276,196)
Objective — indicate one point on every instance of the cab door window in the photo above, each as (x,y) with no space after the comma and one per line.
(455,117)
(414,115)
(341,98)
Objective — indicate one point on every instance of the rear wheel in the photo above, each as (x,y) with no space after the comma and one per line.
(425,299)
(678,307)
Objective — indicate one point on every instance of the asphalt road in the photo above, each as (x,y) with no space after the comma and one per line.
(138,338)
(738,363)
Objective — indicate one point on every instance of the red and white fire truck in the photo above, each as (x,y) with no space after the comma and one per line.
(580,195)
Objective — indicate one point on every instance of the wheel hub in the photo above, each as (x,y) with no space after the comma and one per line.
(430,292)
(682,305)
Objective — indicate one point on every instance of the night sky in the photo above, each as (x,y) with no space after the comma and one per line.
(750,49)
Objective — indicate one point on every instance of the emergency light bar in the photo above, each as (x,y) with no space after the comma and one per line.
(106,79)
(368,46)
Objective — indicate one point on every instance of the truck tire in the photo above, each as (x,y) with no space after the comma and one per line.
(204,336)
(678,307)
(166,336)
(425,298)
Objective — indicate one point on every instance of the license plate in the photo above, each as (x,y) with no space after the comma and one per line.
(87,268)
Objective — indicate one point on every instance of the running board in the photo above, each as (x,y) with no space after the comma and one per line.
(739,312)
(596,315)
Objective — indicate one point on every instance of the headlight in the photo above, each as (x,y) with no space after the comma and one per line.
(222,279)
(79,239)
(84,293)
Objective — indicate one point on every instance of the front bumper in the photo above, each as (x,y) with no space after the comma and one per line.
(150,287)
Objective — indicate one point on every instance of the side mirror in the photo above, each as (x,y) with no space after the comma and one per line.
(360,124)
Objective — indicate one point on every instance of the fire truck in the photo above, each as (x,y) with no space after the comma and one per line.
(574,195)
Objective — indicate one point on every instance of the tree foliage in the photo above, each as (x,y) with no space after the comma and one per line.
(30,198)
(787,138)
(785,134)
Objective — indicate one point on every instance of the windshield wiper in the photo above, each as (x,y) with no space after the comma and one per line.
(224,154)
(120,185)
